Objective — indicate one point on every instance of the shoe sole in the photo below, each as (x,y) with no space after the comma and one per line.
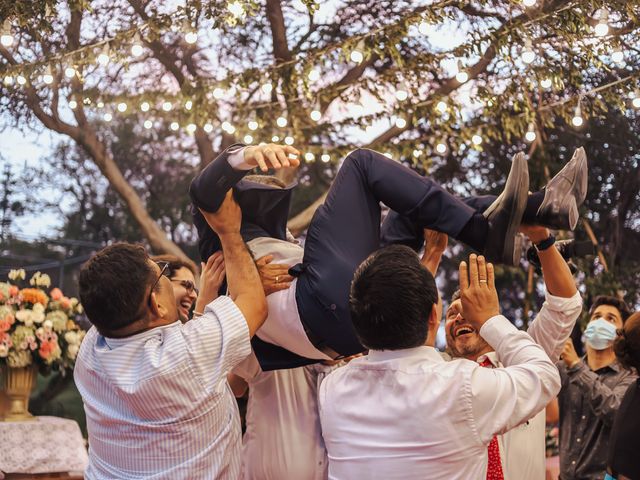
(577,193)
(512,250)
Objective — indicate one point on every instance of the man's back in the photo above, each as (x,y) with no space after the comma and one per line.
(164,392)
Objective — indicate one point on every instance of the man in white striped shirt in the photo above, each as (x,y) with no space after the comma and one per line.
(156,397)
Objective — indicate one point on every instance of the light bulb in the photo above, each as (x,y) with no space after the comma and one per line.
(248,139)
(577,119)
(191,37)
(137,50)
(107,117)
(417,153)
(441,148)
(315,115)
(100,104)
(188,105)
(227,127)
(6,39)
(309,157)
(69,72)
(325,157)
(191,128)
(462,76)
(356,57)
(275,138)
(602,28)
(21,80)
(441,106)
(530,136)
(174,126)
(253,125)
(47,78)
(314,75)
(208,127)
(73,104)
(236,9)
(8,80)
(148,124)
(218,93)
(281,122)
(529,3)
(103,58)
(166,106)
(144,106)
(231,130)
(528,55)
(423,27)
(266,88)
(636,102)
(476,139)
(401,122)
(545,83)
(401,92)
(122,107)
(288,140)
(617,56)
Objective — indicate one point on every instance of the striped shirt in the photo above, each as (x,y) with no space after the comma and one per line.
(158,404)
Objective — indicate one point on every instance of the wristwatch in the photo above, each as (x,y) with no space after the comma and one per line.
(546,243)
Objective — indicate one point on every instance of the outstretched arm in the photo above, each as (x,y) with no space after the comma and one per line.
(435,243)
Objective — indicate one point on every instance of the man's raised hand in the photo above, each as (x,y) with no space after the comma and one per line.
(478,291)
(271,155)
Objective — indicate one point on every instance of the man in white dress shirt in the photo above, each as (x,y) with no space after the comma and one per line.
(402,412)
(522,450)
(155,390)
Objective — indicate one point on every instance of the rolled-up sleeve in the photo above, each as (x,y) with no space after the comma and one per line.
(217,341)
(555,321)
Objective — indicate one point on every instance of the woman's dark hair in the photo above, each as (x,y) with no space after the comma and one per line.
(114,285)
(392,296)
(175,264)
(622,307)
(627,345)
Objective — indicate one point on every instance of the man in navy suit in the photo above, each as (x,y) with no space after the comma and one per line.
(310,321)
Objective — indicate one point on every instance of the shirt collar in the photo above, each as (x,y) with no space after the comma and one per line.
(117,342)
(423,351)
(492,357)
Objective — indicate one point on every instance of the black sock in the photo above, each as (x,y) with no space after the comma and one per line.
(475,231)
(533,204)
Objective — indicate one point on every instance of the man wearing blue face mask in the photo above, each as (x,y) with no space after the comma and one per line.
(592,389)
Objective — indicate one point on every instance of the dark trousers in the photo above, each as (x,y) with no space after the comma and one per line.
(346,229)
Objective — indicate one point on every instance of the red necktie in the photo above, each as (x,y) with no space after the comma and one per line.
(494,468)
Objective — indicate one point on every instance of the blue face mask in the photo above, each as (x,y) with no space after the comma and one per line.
(600,334)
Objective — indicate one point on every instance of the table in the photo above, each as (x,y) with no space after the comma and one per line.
(45,445)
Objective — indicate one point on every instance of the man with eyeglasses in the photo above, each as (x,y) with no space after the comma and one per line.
(155,389)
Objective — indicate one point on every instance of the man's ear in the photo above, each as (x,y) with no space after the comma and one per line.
(156,309)
(436,313)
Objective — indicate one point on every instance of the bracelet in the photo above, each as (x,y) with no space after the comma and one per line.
(545,244)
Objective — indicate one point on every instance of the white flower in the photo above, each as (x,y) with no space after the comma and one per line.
(38,308)
(4,350)
(71,337)
(58,319)
(34,279)
(48,325)
(73,301)
(25,316)
(37,317)
(44,281)
(18,359)
(17,274)
(72,351)
(80,308)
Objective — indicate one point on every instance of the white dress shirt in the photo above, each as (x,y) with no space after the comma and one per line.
(158,404)
(408,414)
(283,439)
(523,449)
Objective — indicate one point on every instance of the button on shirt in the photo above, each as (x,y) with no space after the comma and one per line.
(158,404)
(588,404)
(408,414)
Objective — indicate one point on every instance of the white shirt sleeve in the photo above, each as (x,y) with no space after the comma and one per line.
(553,325)
(503,398)
(217,341)
(236,160)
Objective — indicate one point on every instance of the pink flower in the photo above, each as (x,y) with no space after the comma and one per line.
(46,349)
(13,291)
(65,303)
(56,294)
(5,339)
(4,325)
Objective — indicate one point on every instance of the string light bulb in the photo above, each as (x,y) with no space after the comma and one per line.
(266,88)
(148,124)
(100,104)
(103,58)
(401,122)
(218,93)
(253,125)
(144,106)
(309,157)
(528,55)
(47,78)
(577,120)
(227,127)
(275,138)
(314,74)
(6,39)
(188,105)
(208,128)
(316,114)
(356,55)
(636,101)
(166,106)
(21,80)
(137,49)
(325,157)
(107,117)
(441,148)
(423,26)
(122,107)
(174,126)
(529,3)
(602,27)
(441,106)
(401,93)
(617,56)
(281,122)
(236,9)
(69,72)
(8,80)
(545,83)
(531,135)
(73,104)
(288,140)
(248,138)
(461,76)
(191,37)
(476,139)
(191,128)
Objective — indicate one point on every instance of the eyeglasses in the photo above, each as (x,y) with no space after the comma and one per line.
(163,268)
(188,285)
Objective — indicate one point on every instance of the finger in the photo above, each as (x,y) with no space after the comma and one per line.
(282,157)
(215,263)
(276,287)
(260,161)
(491,276)
(289,149)
(264,260)
(463,276)
(273,160)
(482,271)
(473,270)
(276,268)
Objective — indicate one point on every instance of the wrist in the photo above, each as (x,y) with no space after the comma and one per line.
(545,243)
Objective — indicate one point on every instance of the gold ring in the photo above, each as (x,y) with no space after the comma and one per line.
(277,278)
(483,281)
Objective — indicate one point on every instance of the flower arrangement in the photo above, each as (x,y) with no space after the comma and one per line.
(37,324)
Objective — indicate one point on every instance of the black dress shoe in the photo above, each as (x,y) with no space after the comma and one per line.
(505,214)
(564,194)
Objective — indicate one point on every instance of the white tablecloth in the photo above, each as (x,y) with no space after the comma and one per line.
(46,445)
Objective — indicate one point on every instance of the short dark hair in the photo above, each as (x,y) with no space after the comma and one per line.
(392,296)
(175,264)
(623,308)
(627,345)
(114,285)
